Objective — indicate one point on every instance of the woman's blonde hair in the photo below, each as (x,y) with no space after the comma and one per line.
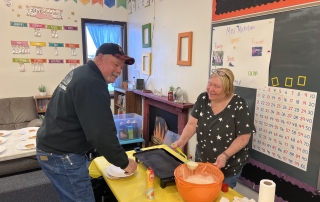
(227,77)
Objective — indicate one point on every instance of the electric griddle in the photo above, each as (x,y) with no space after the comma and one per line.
(161,161)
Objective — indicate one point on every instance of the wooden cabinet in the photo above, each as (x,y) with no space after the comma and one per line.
(125,101)
(42,103)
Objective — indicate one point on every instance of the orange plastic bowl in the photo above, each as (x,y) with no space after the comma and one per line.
(192,192)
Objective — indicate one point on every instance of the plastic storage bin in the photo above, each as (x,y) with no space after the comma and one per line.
(129,126)
(170,137)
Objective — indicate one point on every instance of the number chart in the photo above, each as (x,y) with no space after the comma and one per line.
(283,119)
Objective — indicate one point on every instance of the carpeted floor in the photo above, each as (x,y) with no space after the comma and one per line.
(28,187)
(35,187)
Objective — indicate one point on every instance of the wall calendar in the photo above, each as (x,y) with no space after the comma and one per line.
(284,119)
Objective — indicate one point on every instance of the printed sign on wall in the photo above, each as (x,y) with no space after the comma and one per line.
(44,13)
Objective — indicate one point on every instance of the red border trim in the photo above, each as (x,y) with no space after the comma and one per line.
(256,9)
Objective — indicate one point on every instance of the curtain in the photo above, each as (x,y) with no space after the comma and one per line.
(106,33)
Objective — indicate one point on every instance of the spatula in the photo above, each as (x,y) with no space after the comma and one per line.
(191,164)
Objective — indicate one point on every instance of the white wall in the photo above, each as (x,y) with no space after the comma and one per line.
(169,18)
(14,83)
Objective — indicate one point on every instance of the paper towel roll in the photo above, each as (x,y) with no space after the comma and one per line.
(267,191)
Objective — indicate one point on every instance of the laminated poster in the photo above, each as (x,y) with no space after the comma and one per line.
(284,119)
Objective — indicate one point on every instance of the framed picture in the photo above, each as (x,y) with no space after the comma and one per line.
(140,84)
(146,63)
(146,35)
(184,51)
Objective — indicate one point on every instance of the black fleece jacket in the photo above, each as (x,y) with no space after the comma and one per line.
(79,117)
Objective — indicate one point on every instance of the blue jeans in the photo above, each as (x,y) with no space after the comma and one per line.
(69,175)
(232,181)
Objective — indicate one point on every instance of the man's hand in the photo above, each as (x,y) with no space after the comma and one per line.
(131,168)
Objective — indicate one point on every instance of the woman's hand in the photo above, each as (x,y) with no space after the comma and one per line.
(221,161)
(188,131)
(176,144)
(240,142)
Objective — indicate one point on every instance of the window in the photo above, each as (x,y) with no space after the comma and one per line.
(97,32)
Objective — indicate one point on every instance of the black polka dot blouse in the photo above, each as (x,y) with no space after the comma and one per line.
(216,132)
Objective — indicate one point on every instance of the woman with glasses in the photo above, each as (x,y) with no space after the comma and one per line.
(223,124)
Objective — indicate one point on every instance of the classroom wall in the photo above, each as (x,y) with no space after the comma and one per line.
(169,18)
(16,84)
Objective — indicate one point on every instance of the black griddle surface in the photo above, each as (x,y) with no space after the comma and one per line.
(161,161)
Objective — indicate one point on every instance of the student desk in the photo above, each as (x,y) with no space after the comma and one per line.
(133,188)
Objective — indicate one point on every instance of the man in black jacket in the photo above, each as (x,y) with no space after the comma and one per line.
(78,118)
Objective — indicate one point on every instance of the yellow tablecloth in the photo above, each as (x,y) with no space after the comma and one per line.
(132,189)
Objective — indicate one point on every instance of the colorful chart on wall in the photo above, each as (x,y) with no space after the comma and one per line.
(284,121)
(245,49)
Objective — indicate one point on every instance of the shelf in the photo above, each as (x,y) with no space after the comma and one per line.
(163,99)
(38,97)
(41,111)
(122,107)
(121,90)
(132,103)
(136,140)
(42,103)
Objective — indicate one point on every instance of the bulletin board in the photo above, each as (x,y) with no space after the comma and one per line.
(295,55)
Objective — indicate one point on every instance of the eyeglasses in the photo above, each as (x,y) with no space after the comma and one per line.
(221,73)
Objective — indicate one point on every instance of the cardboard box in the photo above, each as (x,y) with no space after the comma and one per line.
(129,126)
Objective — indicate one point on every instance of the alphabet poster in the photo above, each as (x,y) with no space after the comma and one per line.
(245,49)
(284,119)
